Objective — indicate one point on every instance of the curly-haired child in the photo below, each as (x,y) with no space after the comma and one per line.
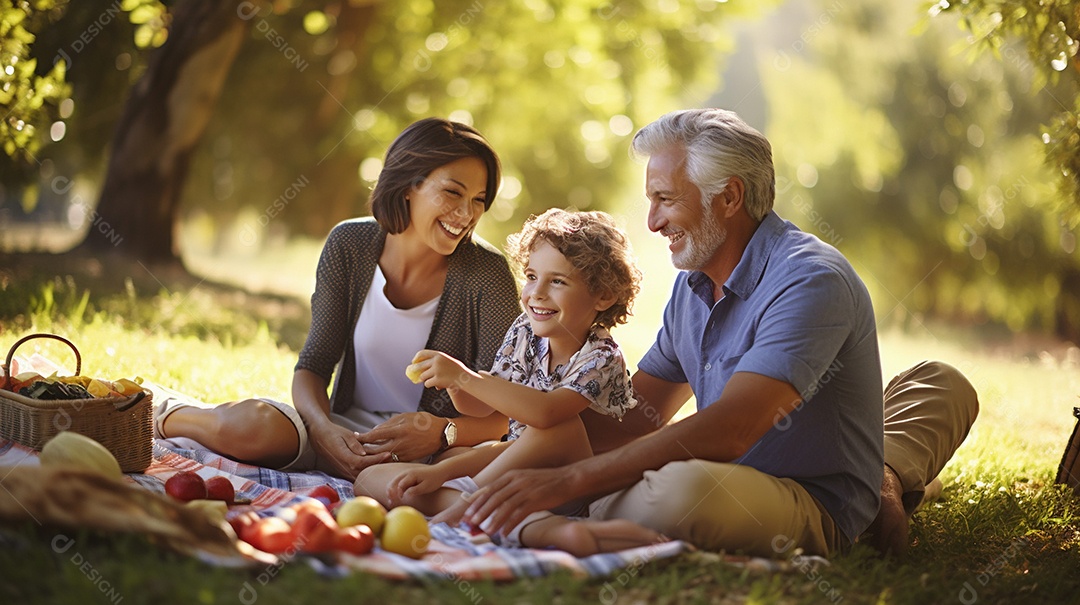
(557,360)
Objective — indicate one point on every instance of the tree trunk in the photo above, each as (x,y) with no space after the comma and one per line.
(163,120)
(1067,317)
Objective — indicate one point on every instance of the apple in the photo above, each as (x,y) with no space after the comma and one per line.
(357,540)
(315,529)
(186,486)
(325,494)
(269,534)
(406,532)
(220,488)
(240,520)
(362,510)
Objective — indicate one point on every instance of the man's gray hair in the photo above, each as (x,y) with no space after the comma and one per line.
(719,145)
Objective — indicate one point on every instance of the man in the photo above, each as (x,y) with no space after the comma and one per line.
(773,332)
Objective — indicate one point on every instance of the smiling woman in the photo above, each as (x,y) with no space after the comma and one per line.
(412,277)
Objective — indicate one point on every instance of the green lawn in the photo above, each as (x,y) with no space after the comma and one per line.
(1000,533)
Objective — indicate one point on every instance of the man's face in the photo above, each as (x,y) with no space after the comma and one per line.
(676,211)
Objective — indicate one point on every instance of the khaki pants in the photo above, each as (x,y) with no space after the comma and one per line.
(928,412)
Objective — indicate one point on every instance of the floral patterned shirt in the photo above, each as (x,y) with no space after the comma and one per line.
(597,371)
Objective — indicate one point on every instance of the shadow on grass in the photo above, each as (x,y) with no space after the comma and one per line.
(74,288)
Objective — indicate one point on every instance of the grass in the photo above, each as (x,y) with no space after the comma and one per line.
(1001,532)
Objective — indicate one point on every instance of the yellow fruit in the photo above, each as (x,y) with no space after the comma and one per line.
(413,372)
(213,510)
(362,510)
(405,532)
(73,450)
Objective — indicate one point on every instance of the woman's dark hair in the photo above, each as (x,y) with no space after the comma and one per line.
(421,148)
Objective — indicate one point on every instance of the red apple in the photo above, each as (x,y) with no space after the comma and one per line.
(240,520)
(220,488)
(357,539)
(325,494)
(186,486)
(315,529)
(269,534)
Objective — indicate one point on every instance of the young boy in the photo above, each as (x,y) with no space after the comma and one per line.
(556,360)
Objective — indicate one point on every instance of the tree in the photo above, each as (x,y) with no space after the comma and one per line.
(30,94)
(1050,29)
(556,86)
(163,121)
(924,169)
(319,89)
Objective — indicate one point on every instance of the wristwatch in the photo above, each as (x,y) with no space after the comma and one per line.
(449,435)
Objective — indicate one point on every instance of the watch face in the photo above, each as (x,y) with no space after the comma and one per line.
(450,433)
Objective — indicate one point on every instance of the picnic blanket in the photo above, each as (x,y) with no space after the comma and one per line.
(454,553)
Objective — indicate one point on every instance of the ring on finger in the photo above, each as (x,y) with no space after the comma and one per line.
(394,457)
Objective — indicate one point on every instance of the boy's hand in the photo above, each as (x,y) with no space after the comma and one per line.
(415,482)
(439,370)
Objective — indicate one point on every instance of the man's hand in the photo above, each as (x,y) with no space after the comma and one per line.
(510,498)
(452,516)
(409,436)
(342,449)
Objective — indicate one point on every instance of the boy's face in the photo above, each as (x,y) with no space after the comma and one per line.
(557,299)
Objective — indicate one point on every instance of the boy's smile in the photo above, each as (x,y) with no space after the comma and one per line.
(558,302)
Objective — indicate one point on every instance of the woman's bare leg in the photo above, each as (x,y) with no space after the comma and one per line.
(250,431)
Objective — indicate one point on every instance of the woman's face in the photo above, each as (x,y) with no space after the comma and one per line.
(445,207)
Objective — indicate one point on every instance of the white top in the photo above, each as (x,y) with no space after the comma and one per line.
(386,339)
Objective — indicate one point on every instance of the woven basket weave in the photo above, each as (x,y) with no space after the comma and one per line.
(124,425)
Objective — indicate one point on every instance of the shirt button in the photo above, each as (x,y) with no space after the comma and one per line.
(708,367)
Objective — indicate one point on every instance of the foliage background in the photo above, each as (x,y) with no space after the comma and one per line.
(932,143)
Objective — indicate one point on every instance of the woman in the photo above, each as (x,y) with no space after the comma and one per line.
(411,278)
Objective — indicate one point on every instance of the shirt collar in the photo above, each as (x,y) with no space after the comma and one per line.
(747,274)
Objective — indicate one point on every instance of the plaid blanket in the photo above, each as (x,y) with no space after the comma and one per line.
(454,554)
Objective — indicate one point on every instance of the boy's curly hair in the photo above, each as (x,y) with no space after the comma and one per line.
(595,246)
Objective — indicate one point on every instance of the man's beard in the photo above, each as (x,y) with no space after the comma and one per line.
(702,242)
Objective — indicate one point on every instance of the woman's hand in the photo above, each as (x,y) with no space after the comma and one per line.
(408,436)
(342,449)
(414,482)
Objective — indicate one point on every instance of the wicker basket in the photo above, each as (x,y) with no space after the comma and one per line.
(124,425)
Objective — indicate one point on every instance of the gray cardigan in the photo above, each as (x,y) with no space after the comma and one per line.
(478,304)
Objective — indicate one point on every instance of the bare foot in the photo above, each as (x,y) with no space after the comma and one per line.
(889,531)
(933,491)
(453,514)
(584,538)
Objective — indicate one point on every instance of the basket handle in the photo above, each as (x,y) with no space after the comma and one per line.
(11,354)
